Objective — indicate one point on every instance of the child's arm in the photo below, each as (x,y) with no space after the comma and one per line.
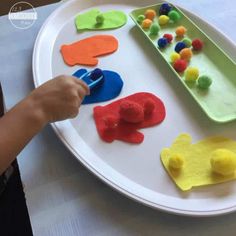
(57,99)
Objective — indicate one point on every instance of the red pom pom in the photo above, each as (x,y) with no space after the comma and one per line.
(149,106)
(180,65)
(131,112)
(110,122)
(197,44)
(169,37)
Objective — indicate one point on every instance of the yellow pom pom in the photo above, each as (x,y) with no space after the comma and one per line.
(146,23)
(180,31)
(176,161)
(186,54)
(223,161)
(163,20)
(191,74)
(174,57)
(150,14)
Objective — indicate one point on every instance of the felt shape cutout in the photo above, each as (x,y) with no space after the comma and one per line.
(198,161)
(107,90)
(86,51)
(121,120)
(96,20)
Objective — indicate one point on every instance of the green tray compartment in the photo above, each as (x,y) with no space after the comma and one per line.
(219,101)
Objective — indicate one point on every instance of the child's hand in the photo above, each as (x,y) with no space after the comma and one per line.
(59,98)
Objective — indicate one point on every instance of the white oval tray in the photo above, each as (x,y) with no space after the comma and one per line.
(135,170)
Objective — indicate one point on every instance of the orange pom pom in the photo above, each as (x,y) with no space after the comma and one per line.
(186,54)
(180,31)
(150,14)
(146,23)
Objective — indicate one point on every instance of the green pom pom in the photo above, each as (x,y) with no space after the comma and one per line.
(140,19)
(154,29)
(188,42)
(100,18)
(174,15)
(204,82)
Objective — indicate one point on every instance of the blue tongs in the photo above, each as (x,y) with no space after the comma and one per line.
(93,78)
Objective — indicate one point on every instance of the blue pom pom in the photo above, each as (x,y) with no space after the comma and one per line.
(95,74)
(162,42)
(165,9)
(179,46)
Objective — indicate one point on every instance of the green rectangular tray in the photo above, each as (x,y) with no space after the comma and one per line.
(219,101)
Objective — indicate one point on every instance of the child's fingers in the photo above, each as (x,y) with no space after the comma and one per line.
(82,92)
(84,85)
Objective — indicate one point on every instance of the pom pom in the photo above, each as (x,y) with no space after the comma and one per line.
(96,74)
(180,65)
(162,42)
(191,74)
(174,15)
(197,44)
(150,14)
(100,18)
(179,46)
(146,23)
(186,54)
(187,42)
(174,57)
(169,37)
(163,20)
(176,161)
(131,112)
(110,122)
(204,82)
(154,29)
(165,9)
(140,18)
(180,31)
(149,106)
(223,162)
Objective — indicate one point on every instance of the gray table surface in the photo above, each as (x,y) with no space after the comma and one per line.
(64,198)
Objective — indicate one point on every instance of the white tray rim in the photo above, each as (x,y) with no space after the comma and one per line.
(130,190)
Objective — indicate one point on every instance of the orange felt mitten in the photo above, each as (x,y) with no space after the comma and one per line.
(86,51)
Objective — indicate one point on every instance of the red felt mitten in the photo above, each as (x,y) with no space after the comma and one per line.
(121,119)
